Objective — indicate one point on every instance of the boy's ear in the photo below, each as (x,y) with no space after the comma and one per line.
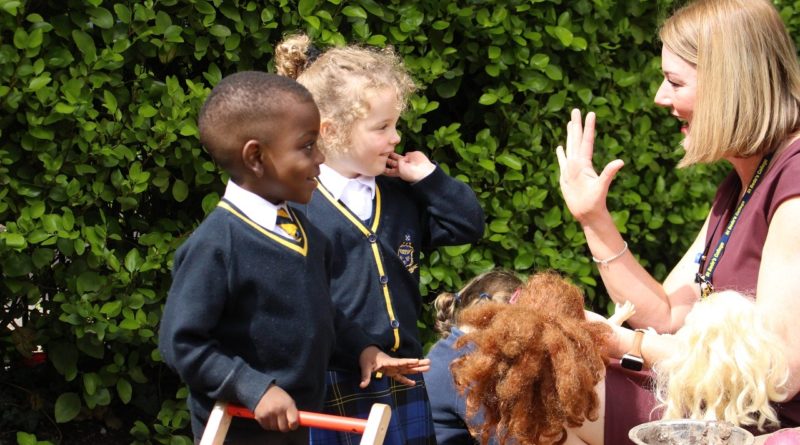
(251,157)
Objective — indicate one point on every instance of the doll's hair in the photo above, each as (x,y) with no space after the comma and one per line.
(495,285)
(534,365)
(728,365)
(342,80)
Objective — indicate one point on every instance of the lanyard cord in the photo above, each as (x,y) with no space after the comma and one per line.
(704,278)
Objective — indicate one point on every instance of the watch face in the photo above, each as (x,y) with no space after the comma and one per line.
(632,362)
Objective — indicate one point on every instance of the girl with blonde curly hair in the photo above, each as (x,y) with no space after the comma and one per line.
(381,210)
(343,81)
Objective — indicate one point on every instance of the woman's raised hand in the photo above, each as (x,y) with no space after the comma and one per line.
(583,189)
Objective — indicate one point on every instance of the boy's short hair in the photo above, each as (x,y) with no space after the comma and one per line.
(241,107)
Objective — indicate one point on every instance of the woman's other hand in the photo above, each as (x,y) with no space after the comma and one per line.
(583,189)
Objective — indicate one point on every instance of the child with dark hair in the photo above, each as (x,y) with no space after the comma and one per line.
(249,319)
(447,405)
(381,210)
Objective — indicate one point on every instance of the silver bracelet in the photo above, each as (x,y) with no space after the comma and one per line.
(608,260)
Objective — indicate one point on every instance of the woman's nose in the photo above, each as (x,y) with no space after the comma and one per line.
(663,98)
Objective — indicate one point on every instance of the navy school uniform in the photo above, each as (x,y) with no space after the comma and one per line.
(375,282)
(249,308)
(448,406)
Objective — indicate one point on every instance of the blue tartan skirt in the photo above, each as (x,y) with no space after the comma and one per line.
(411,422)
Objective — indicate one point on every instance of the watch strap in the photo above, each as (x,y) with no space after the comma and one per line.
(633,359)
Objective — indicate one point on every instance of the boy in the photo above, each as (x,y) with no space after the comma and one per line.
(249,318)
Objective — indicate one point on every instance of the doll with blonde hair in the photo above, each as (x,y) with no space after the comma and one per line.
(718,373)
(381,210)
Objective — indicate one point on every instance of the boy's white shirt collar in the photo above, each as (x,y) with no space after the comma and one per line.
(258,209)
(357,198)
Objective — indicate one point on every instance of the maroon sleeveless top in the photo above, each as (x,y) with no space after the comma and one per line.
(738,268)
(629,396)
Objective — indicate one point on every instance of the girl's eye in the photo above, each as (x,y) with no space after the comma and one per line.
(309,146)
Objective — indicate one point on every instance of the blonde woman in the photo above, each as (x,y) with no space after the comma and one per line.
(731,76)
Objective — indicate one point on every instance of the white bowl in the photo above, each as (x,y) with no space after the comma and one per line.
(689,432)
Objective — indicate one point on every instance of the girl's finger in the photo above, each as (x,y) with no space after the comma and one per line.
(404,380)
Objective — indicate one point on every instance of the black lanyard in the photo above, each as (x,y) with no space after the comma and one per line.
(704,278)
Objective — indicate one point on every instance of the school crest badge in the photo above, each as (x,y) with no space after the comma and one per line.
(406,254)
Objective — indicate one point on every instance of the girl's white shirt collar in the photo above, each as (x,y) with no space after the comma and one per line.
(356,193)
(336,183)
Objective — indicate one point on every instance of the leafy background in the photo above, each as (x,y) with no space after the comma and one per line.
(102,176)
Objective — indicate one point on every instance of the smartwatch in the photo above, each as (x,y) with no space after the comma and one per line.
(633,359)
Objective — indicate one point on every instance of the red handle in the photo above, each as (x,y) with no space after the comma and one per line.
(313,420)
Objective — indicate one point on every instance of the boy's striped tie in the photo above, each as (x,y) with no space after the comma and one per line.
(284,221)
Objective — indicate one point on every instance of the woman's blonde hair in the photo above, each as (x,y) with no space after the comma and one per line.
(748,77)
(728,366)
(496,285)
(342,80)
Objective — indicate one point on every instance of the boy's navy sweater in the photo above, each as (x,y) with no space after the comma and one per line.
(409,219)
(245,311)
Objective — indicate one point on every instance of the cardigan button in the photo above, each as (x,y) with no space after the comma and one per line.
(372,238)
(384,279)
(395,324)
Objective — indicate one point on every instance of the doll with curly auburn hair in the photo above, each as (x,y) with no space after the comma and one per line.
(535,365)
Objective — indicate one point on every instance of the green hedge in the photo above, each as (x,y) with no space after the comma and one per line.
(102,176)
